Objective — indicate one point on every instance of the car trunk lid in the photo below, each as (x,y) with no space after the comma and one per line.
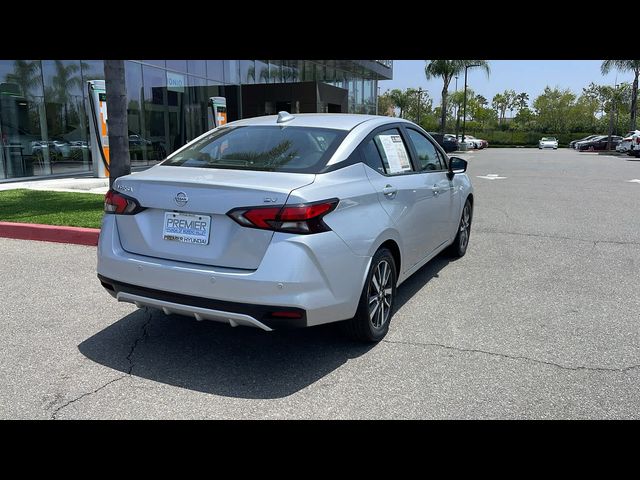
(175,197)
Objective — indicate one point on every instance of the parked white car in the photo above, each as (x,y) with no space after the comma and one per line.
(625,144)
(473,142)
(634,148)
(548,142)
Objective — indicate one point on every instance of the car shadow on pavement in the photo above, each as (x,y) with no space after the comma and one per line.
(238,362)
(211,357)
(415,282)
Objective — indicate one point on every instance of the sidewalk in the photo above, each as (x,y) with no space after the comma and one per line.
(76,185)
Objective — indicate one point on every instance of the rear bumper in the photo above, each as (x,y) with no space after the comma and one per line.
(204,308)
(317,275)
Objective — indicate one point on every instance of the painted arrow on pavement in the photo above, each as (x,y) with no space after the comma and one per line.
(635,180)
(491,176)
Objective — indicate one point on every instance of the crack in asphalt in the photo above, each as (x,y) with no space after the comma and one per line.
(558,237)
(139,339)
(57,410)
(514,357)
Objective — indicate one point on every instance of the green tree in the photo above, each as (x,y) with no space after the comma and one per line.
(446,70)
(419,105)
(521,101)
(626,66)
(386,104)
(553,108)
(400,100)
(500,104)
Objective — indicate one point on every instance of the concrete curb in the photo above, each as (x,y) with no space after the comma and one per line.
(50,233)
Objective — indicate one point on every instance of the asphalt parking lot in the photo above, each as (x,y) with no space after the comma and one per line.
(540,320)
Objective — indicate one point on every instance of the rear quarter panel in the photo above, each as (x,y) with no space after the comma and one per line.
(359,220)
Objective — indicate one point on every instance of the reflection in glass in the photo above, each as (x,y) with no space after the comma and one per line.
(180,65)
(262,72)
(65,116)
(215,70)
(22,118)
(197,67)
(231,72)
(247,71)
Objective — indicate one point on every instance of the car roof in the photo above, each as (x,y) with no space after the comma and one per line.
(340,121)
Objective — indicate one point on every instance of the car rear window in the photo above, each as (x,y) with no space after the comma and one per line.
(264,147)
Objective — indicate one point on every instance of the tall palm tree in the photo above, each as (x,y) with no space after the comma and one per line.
(114,79)
(447,69)
(626,66)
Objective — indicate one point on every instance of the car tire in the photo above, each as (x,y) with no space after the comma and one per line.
(459,246)
(371,324)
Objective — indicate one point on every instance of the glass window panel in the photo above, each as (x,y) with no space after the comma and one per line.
(139,147)
(155,110)
(247,71)
(231,72)
(24,148)
(157,63)
(197,67)
(65,115)
(262,72)
(92,70)
(215,70)
(275,71)
(180,65)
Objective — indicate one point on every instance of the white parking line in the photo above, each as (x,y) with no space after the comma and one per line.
(635,180)
(491,176)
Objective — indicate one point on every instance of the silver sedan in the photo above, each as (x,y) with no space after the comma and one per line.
(287,220)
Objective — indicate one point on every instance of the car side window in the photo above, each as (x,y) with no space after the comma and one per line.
(428,155)
(393,151)
(372,157)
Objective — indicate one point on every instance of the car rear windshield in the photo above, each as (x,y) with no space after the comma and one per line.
(263,147)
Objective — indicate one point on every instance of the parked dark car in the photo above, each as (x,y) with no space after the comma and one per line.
(447,141)
(599,143)
(572,144)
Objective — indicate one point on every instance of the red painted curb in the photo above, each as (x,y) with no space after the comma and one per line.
(50,233)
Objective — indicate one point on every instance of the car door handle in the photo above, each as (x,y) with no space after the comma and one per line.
(436,190)
(389,191)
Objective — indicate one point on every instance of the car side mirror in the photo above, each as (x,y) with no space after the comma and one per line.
(456,165)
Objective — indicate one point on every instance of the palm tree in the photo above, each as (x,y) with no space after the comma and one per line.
(114,79)
(66,78)
(626,66)
(400,100)
(447,69)
(26,74)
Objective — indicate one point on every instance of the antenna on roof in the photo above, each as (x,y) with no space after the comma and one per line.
(284,117)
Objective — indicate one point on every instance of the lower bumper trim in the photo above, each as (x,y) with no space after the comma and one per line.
(201,308)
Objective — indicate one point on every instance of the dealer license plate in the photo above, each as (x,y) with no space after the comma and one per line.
(186,228)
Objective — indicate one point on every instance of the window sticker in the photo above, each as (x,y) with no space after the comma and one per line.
(396,153)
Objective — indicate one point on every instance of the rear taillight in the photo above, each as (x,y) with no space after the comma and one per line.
(303,218)
(638,139)
(115,202)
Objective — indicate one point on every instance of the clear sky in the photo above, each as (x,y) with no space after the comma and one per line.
(530,76)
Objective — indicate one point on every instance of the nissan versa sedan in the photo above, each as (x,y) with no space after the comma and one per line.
(287,220)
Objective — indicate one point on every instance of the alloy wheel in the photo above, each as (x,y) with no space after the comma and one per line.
(380,294)
(465,227)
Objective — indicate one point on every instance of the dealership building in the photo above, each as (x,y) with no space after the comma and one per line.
(44,114)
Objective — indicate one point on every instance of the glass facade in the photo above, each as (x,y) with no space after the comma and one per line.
(44,127)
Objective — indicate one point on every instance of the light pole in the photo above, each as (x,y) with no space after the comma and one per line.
(457,112)
(464,111)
